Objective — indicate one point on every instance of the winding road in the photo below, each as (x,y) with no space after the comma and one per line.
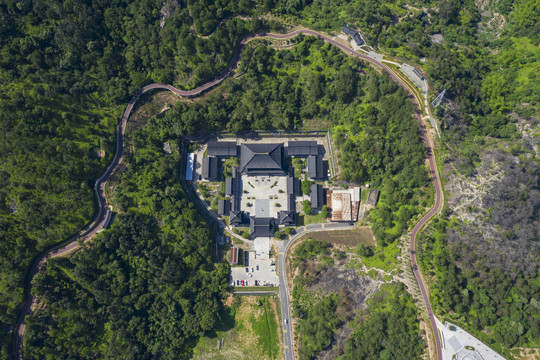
(282,273)
(94,227)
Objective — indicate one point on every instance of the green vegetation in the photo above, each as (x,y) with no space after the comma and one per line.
(389,321)
(387,329)
(504,302)
(306,185)
(318,324)
(306,207)
(67,71)
(308,250)
(384,258)
(249,331)
(310,218)
(266,328)
(146,287)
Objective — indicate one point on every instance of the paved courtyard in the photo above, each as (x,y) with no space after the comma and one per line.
(263,193)
(266,275)
(458,344)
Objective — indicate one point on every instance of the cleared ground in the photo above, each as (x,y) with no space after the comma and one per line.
(250,331)
(351,238)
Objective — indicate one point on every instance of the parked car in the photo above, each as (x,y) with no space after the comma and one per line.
(242,282)
(257,267)
(247,269)
(252,269)
(237,282)
(256,283)
(246,283)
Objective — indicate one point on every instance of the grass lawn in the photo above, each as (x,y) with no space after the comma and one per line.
(310,219)
(249,331)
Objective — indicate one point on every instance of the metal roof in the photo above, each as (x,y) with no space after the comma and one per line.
(222,148)
(210,168)
(302,148)
(291,201)
(417,73)
(234,255)
(372,197)
(315,167)
(189,166)
(261,159)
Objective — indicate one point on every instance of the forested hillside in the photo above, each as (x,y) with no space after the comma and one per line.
(67,69)
(274,92)
(483,254)
(315,83)
(146,288)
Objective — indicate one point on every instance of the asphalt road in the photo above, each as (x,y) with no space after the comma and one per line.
(282,273)
(70,244)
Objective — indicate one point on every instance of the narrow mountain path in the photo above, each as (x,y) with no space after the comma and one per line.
(97,224)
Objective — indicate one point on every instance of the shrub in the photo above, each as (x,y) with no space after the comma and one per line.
(324,211)
(306,207)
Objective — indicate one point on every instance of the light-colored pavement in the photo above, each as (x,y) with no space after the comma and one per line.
(458,344)
(258,269)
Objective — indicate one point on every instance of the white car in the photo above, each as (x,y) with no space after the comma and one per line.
(285,321)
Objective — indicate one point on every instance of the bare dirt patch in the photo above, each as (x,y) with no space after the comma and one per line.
(526,354)
(350,238)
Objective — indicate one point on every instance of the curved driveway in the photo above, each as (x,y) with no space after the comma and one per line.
(282,273)
(99,188)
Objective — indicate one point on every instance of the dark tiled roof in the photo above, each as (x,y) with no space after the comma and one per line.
(315,167)
(210,168)
(302,148)
(293,186)
(236,218)
(316,196)
(234,203)
(287,218)
(347,30)
(261,159)
(222,148)
(291,201)
(262,227)
(231,186)
(224,206)
(358,39)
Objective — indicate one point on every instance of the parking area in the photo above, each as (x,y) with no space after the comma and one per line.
(257,272)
